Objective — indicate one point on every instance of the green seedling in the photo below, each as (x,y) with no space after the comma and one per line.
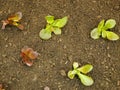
(80,72)
(52,26)
(103,30)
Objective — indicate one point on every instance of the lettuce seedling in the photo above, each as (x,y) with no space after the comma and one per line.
(80,72)
(28,55)
(52,26)
(13,20)
(103,30)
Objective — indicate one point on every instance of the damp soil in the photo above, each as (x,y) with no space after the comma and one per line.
(57,54)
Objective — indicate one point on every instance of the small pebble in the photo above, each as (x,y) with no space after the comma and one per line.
(118,83)
(34,78)
(1,12)
(108,47)
(6,45)
(94,1)
(59,40)
(108,55)
(10,44)
(117,7)
(106,67)
(99,16)
(4,55)
(64,47)
(70,57)
(62,72)
(6,39)
(46,88)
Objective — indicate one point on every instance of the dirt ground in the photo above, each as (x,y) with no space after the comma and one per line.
(58,53)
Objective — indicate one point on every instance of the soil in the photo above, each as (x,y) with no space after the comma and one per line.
(57,54)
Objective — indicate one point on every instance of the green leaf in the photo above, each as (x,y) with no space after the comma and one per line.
(95,34)
(57,31)
(49,19)
(112,36)
(86,80)
(85,69)
(44,34)
(75,65)
(101,25)
(104,34)
(110,24)
(60,22)
(71,74)
(49,28)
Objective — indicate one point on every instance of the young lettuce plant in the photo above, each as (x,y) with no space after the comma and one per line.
(52,26)
(80,72)
(28,55)
(13,20)
(103,30)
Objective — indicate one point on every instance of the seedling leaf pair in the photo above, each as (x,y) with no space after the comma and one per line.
(52,26)
(102,30)
(80,72)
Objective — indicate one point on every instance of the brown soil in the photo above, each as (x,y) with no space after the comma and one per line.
(58,53)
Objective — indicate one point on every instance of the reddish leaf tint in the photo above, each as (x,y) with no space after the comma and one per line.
(28,55)
(1,87)
(13,20)
(16,17)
